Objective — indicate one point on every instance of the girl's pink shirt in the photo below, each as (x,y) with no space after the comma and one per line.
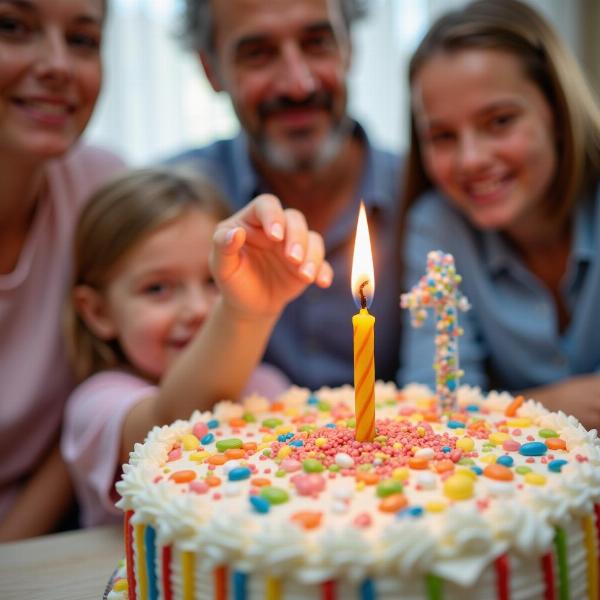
(91,440)
(35,380)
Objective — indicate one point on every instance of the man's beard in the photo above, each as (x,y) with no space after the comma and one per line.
(283,158)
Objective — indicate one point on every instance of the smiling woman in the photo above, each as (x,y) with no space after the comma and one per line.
(504,173)
(50,78)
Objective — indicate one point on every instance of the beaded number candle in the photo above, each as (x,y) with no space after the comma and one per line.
(438,289)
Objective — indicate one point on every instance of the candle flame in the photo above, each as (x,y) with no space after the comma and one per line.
(363,275)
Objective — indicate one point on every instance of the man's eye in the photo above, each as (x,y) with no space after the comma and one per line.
(13,28)
(255,55)
(502,120)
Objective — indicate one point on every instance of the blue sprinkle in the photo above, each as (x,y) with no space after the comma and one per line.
(557,465)
(473,408)
(451,385)
(213,424)
(455,424)
(260,504)
(506,461)
(208,438)
(533,449)
(331,425)
(312,400)
(239,473)
(282,438)
(446,448)
(296,443)
(411,511)
(477,470)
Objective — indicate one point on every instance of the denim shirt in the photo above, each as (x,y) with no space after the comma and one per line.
(511,335)
(312,341)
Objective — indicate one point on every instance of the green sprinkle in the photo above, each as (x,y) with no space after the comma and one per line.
(466,461)
(523,470)
(365,467)
(229,444)
(324,406)
(280,473)
(274,495)
(267,451)
(272,422)
(308,427)
(334,468)
(312,465)
(389,487)
(547,433)
(249,418)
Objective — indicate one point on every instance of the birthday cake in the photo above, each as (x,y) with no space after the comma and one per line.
(495,499)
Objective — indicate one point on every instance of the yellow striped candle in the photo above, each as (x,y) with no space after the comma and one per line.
(363,289)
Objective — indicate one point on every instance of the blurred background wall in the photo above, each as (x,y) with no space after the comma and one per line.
(156,100)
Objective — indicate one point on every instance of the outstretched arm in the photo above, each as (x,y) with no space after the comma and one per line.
(262,258)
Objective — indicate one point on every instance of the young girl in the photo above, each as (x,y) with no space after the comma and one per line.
(150,333)
(504,173)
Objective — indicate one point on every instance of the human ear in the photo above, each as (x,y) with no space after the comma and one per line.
(211,72)
(92,307)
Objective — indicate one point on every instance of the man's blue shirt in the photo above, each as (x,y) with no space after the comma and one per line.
(312,342)
(512,338)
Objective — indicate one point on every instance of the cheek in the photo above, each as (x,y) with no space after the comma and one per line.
(438,166)
(90,82)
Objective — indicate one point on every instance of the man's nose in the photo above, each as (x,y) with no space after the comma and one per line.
(295,78)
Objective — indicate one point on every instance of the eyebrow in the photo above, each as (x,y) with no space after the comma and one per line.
(249,40)
(84,18)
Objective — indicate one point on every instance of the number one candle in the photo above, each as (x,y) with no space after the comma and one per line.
(438,289)
(363,289)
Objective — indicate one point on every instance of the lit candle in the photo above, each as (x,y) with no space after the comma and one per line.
(438,289)
(363,289)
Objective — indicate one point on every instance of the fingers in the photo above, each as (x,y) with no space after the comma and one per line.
(315,268)
(265,224)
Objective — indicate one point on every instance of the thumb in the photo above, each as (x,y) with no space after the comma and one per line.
(225,254)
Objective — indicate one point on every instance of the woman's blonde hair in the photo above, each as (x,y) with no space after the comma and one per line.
(514,27)
(116,218)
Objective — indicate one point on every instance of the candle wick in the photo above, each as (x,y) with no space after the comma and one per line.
(363,299)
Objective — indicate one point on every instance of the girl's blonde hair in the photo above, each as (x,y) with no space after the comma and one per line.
(116,218)
(514,27)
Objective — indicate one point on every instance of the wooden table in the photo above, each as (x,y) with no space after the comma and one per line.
(75,565)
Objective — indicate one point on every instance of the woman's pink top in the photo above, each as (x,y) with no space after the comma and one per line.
(35,380)
(91,441)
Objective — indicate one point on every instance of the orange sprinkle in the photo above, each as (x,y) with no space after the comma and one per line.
(498,472)
(556,444)
(217,459)
(309,519)
(235,453)
(237,422)
(276,406)
(441,466)
(260,481)
(431,417)
(249,446)
(213,481)
(511,409)
(368,477)
(183,476)
(418,462)
(393,503)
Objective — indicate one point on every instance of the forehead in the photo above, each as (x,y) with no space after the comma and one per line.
(65,9)
(236,19)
